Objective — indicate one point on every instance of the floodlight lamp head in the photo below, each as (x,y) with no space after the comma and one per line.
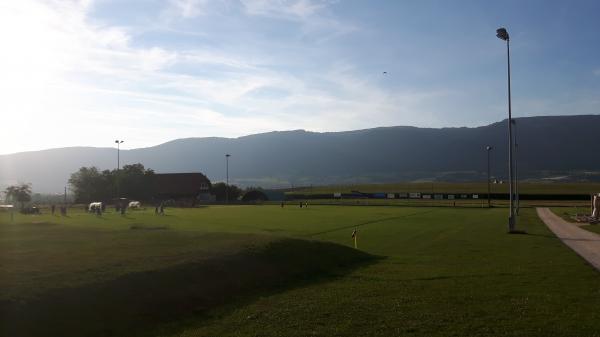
(502,34)
(488,148)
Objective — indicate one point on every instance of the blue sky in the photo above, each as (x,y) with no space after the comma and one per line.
(88,72)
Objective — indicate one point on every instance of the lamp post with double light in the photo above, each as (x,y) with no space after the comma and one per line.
(516,157)
(227,178)
(118,142)
(488,150)
(502,34)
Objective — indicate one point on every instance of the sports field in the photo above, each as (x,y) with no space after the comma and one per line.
(268,271)
(462,187)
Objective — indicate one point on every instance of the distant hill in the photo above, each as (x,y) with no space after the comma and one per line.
(562,147)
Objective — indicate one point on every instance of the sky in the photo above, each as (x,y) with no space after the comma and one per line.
(87,72)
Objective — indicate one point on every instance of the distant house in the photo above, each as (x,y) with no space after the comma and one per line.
(185,188)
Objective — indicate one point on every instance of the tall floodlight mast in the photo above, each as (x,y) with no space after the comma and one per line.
(502,34)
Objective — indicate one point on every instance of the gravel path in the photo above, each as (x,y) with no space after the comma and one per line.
(584,243)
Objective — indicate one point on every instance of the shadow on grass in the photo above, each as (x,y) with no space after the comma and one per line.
(139,303)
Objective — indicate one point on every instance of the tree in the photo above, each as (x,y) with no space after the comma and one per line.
(218,190)
(20,193)
(134,182)
(89,184)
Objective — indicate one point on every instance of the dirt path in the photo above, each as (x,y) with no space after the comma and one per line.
(584,243)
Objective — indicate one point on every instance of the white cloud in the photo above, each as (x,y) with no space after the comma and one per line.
(69,80)
(190,8)
(313,15)
(284,8)
(156,58)
(596,72)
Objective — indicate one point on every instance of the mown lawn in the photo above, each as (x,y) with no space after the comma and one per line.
(567,213)
(435,271)
(463,187)
(448,272)
(592,228)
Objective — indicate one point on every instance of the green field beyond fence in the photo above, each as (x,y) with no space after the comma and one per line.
(442,187)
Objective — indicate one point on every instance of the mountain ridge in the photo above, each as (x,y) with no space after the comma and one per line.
(547,145)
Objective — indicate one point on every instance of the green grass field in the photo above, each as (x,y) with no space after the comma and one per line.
(470,203)
(567,213)
(268,271)
(463,187)
(592,228)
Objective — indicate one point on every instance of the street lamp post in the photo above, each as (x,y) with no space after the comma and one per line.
(489,149)
(227,178)
(516,168)
(502,34)
(118,142)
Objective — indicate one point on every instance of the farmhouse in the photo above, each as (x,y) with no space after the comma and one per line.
(184,188)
